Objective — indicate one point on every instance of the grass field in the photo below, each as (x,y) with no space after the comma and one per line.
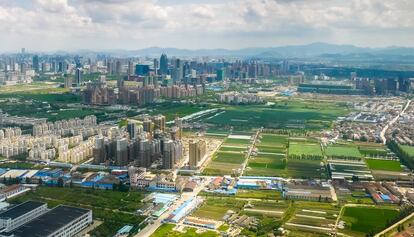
(266,165)
(360,221)
(233,149)
(216,207)
(166,230)
(115,209)
(289,113)
(301,149)
(408,149)
(343,152)
(387,165)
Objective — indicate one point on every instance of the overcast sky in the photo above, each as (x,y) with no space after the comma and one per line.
(47,25)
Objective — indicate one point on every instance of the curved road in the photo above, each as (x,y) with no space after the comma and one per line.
(384,130)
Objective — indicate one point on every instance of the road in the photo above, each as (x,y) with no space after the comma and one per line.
(151,228)
(395,225)
(384,130)
(250,151)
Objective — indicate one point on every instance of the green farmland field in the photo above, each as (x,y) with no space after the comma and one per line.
(387,165)
(343,151)
(362,220)
(229,157)
(312,114)
(305,149)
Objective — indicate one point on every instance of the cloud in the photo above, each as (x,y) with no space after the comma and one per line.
(71,24)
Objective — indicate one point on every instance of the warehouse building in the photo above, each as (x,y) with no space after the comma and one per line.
(21,214)
(62,221)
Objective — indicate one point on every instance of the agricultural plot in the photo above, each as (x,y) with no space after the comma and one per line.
(312,217)
(386,165)
(313,114)
(216,208)
(266,209)
(266,165)
(373,149)
(301,168)
(167,230)
(304,150)
(347,152)
(271,157)
(360,221)
(230,156)
(348,169)
(408,149)
(224,163)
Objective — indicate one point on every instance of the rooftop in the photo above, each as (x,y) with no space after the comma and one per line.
(21,209)
(49,222)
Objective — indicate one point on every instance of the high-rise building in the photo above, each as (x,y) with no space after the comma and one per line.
(121,158)
(197,150)
(99,153)
(221,74)
(142,70)
(179,124)
(178,71)
(131,68)
(118,67)
(132,130)
(68,81)
(35,62)
(78,77)
(159,122)
(156,66)
(148,125)
(163,65)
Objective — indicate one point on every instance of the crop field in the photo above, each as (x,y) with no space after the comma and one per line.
(260,194)
(236,141)
(268,209)
(387,165)
(312,115)
(266,165)
(369,149)
(271,157)
(224,163)
(304,149)
(216,207)
(362,220)
(167,230)
(302,168)
(408,149)
(343,152)
(313,217)
(229,157)
(348,169)
(232,148)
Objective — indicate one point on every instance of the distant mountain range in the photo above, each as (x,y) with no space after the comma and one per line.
(294,51)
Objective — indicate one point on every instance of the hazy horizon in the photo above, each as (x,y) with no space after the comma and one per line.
(71,25)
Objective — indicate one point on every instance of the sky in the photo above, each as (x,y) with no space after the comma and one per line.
(50,25)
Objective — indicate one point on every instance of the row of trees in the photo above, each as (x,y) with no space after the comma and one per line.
(406,159)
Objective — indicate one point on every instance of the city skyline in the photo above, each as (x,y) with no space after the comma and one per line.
(70,25)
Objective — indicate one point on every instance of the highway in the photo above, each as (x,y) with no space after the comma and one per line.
(384,130)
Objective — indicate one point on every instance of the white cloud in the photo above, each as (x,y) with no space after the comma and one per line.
(73,24)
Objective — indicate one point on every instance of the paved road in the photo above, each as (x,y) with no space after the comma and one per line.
(384,130)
